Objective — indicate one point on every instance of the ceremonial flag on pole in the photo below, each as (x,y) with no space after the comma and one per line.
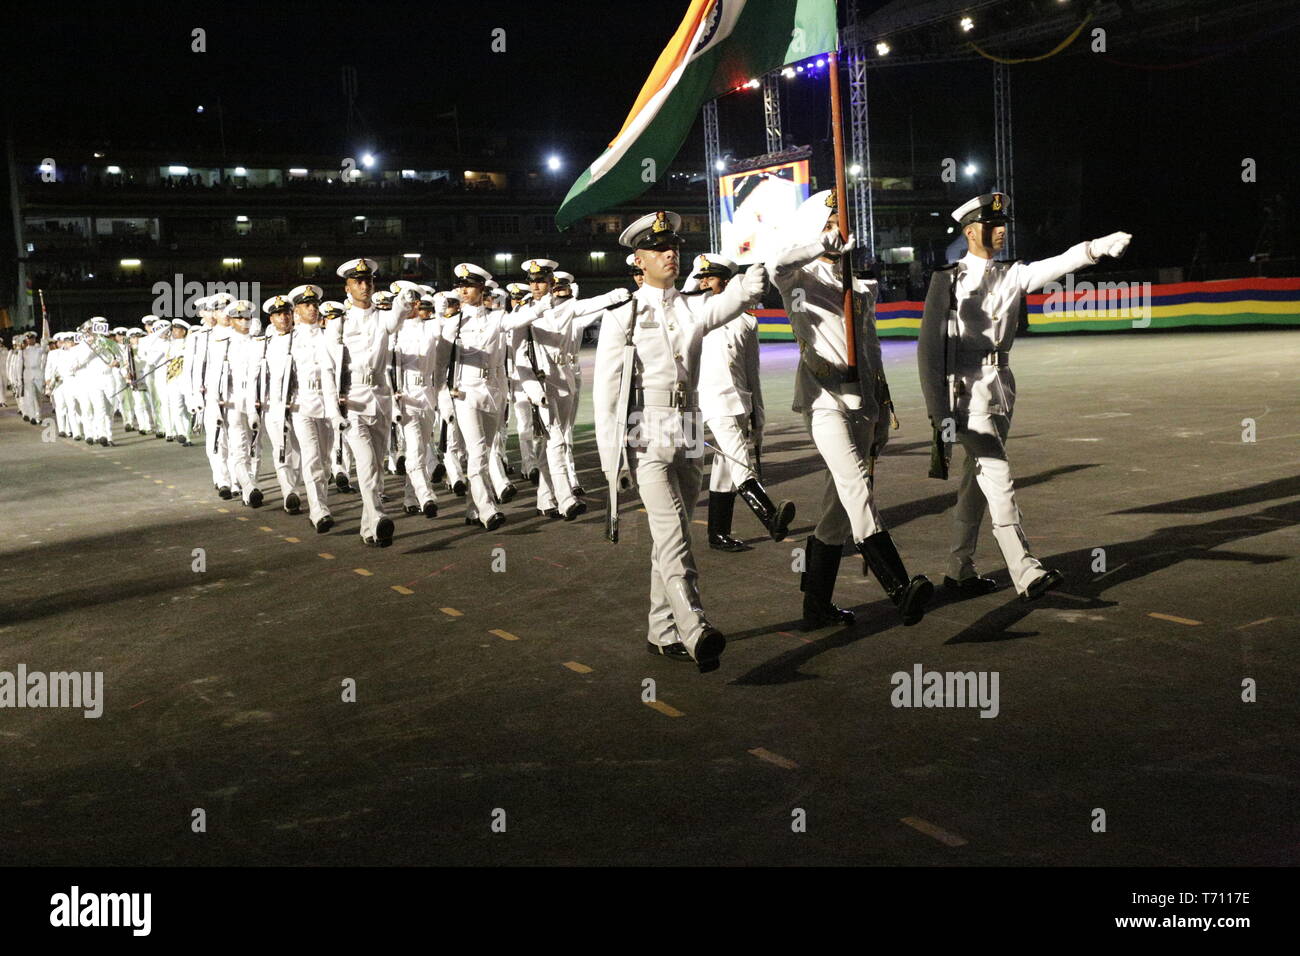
(719,46)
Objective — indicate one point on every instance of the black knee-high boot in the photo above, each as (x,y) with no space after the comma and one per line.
(822,561)
(776,519)
(721,506)
(910,596)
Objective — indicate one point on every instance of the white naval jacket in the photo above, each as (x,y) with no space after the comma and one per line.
(476,332)
(556,325)
(987,311)
(367,335)
(418,372)
(315,376)
(818,326)
(669,337)
(729,383)
(196,353)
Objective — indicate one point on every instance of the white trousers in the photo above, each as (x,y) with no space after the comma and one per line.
(478,430)
(843,439)
(735,466)
(313,436)
(240,460)
(669,483)
(289,474)
(986,481)
(216,443)
(367,436)
(417,429)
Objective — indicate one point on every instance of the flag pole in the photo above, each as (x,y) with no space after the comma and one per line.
(842,209)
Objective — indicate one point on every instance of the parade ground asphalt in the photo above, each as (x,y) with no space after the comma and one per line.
(519,696)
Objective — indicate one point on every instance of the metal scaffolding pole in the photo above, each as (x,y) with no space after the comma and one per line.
(712,154)
(863,208)
(1004,165)
(772,111)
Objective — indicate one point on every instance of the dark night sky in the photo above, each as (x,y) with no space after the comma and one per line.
(1155,150)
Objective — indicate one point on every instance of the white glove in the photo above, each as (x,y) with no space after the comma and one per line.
(618,296)
(1113,245)
(754,281)
(835,244)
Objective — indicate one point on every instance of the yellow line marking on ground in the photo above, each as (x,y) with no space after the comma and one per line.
(1262,620)
(241,517)
(172,487)
(326,555)
(363,572)
(224,511)
(142,476)
(663,708)
(401,590)
(450,612)
(577,668)
(156,481)
(292,540)
(763,753)
(504,635)
(930,830)
(264,528)
(698,521)
(1176,620)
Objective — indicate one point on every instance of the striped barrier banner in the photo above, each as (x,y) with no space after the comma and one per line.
(1109,306)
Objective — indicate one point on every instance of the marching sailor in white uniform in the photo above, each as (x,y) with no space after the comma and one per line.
(972,313)
(366,334)
(649,355)
(845,404)
(731,400)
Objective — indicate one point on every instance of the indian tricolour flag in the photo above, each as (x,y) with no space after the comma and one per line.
(719,46)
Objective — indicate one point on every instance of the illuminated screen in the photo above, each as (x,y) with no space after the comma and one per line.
(756,205)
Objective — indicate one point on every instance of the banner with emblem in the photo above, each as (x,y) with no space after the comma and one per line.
(719,46)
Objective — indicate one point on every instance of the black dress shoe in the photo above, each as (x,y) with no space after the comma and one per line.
(184,442)
(725,542)
(970,587)
(171,437)
(255,498)
(224,492)
(89,440)
(159,435)
(708,649)
(384,531)
(103,441)
(430,509)
(438,471)
(496,521)
(292,504)
(675,652)
(575,509)
(534,476)
(507,494)
(324,524)
(369,542)
(110,444)
(143,431)
(459,488)
(1044,584)
(341,482)
(400,466)
(412,509)
(471,521)
(552,513)
(578,492)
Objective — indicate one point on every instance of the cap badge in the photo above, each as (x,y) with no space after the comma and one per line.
(661,222)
